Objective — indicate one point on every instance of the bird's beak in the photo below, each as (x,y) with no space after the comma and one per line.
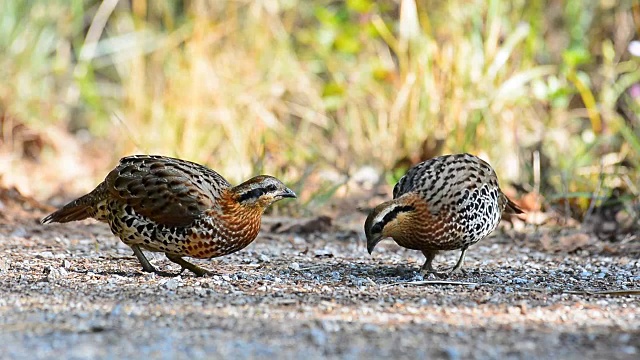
(288,193)
(372,242)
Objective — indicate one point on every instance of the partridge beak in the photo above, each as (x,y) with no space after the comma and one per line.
(288,193)
(372,241)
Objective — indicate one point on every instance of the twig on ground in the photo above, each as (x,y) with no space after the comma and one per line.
(604,292)
(431,282)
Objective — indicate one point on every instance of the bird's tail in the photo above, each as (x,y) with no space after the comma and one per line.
(512,207)
(79,209)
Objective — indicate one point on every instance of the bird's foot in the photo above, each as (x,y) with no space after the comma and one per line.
(163,273)
(195,269)
(198,271)
(457,271)
(426,272)
(168,273)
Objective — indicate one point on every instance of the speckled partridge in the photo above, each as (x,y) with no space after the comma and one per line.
(445,203)
(176,207)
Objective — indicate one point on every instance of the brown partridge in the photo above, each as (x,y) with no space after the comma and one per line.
(445,203)
(176,207)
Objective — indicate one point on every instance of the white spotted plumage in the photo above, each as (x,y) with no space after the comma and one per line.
(445,203)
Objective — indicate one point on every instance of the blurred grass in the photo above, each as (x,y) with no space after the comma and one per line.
(291,87)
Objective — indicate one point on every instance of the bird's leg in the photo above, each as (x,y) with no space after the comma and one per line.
(430,255)
(427,268)
(197,270)
(146,265)
(458,267)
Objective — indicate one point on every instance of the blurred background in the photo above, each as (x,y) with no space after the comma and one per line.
(337,98)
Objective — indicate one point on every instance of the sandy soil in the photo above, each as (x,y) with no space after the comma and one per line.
(75,291)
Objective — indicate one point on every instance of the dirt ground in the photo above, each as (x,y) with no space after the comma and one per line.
(75,291)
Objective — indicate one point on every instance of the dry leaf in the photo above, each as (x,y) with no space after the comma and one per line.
(567,243)
(303,226)
(571,243)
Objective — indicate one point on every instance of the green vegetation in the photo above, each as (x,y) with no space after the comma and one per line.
(289,87)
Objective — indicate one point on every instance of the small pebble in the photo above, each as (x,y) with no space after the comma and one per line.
(19,232)
(318,337)
(370,328)
(200,292)
(172,283)
(294,266)
(490,280)
(624,338)
(322,253)
(115,312)
(264,258)
(451,353)
(4,265)
(330,326)
(46,255)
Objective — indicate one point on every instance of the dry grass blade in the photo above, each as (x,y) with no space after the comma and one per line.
(247,87)
(628,292)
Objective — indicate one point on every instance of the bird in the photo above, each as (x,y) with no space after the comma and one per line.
(448,202)
(176,207)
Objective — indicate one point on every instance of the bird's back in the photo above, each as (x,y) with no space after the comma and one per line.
(168,191)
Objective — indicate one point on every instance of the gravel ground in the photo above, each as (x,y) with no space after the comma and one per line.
(75,291)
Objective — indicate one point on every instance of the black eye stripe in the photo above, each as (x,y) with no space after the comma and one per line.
(263,188)
(252,194)
(394,213)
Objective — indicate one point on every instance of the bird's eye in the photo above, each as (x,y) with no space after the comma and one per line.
(271,187)
(376,228)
